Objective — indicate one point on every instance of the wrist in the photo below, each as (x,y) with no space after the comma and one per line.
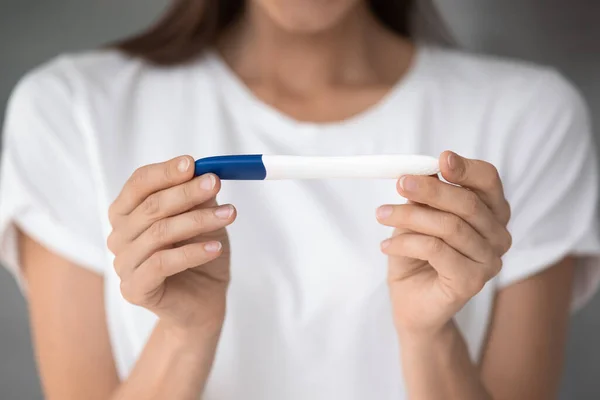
(189,337)
(435,337)
(440,347)
(437,365)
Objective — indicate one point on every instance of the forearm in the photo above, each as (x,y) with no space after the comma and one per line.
(173,365)
(439,367)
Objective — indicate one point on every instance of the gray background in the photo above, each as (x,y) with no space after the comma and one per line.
(564,34)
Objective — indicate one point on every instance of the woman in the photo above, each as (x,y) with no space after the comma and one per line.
(327,299)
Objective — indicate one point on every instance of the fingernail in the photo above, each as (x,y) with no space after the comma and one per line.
(183,164)
(207,182)
(384,211)
(408,184)
(385,244)
(224,212)
(213,247)
(452,160)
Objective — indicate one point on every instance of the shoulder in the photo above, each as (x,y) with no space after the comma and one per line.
(503,106)
(56,85)
(44,99)
(514,84)
(514,114)
(66,72)
(107,73)
(84,88)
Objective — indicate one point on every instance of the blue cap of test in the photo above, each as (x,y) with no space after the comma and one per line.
(233,167)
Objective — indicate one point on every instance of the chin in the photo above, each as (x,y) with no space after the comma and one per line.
(307,16)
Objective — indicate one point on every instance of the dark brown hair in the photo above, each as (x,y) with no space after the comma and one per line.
(189,26)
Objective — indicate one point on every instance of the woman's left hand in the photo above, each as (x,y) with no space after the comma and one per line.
(447,244)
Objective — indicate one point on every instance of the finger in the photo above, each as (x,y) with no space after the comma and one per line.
(143,286)
(168,202)
(461,276)
(149,179)
(479,176)
(170,231)
(462,202)
(452,229)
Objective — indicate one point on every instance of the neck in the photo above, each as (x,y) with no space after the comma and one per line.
(351,52)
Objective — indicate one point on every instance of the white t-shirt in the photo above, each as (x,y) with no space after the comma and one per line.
(308,310)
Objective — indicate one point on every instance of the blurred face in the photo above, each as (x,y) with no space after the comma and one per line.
(307,16)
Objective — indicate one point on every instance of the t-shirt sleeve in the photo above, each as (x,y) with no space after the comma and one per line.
(553,189)
(46,185)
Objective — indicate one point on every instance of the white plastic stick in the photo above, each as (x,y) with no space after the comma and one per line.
(368,166)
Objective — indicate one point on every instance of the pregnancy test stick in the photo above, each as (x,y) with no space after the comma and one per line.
(271,167)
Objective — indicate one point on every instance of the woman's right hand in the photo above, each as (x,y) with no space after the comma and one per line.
(170,244)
